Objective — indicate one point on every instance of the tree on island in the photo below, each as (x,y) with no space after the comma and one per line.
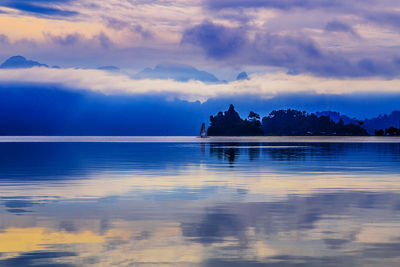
(229,123)
(293,122)
(391,131)
(282,123)
(379,132)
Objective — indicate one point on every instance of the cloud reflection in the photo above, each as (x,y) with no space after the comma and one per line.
(273,204)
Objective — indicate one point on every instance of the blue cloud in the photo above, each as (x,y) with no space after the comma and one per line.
(277,4)
(367,65)
(218,41)
(288,47)
(46,259)
(221,42)
(385,18)
(100,40)
(297,53)
(41,7)
(104,41)
(69,39)
(337,26)
(142,31)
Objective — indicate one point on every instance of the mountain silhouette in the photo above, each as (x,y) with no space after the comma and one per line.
(383,121)
(109,68)
(242,76)
(376,123)
(178,72)
(336,116)
(19,62)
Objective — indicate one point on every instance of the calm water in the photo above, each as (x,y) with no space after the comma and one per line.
(192,202)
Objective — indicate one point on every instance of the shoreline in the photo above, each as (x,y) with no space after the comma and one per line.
(195,139)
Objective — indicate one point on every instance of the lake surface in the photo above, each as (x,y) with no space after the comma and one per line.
(184,201)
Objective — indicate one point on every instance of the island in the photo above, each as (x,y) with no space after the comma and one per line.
(287,122)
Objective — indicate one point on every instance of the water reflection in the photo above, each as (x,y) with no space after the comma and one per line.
(174,204)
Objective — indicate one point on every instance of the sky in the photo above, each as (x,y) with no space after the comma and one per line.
(286,46)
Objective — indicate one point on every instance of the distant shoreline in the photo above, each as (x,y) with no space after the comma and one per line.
(195,139)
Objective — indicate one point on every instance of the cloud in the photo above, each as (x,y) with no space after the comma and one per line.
(142,31)
(4,39)
(337,26)
(306,36)
(119,25)
(278,4)
(116,23)
(391,19)
(218,41)
(104,41)
(67,40)
(281,49)
(264,86)
(46,259)
(101,40)
(39,7)
(295,52)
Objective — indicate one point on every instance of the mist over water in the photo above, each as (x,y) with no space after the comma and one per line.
(47,109)
(179,202)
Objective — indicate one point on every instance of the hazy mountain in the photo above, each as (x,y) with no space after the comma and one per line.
(242,76)
(178,72)
(109,68)
(383,122)
(19,62)
(377,123)
(51,109)
(336,116)
(291,122)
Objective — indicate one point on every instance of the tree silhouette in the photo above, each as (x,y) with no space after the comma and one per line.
(293,122)
(229,123)
(287,122)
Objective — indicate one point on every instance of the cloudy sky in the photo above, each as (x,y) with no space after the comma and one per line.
(339,46)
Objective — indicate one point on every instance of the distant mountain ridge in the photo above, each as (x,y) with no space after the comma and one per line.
(20,62)
(372,124)
(336,116)
(242,76)
(383,122)
(109,68)
(178,72)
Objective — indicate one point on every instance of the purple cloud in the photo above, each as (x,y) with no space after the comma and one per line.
(102,40)
(218,41)
(391,19)
(4,39)
(277,4)
(297,53)
(68,40)
(337,26)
